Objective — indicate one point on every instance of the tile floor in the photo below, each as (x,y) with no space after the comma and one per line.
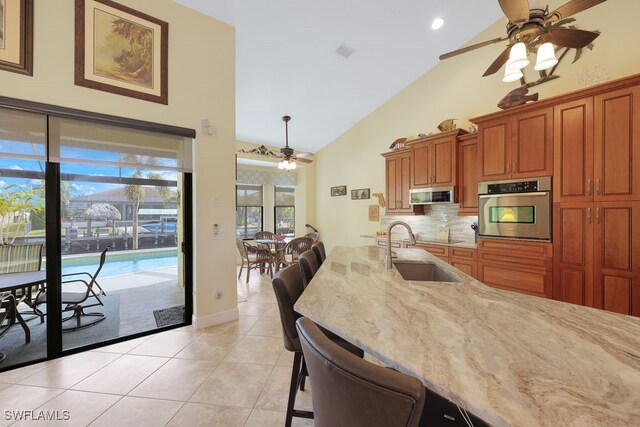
(235,374)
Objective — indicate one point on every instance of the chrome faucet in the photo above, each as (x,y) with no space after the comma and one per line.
(387,253)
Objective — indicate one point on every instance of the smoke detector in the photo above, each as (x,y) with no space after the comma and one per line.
(345,50)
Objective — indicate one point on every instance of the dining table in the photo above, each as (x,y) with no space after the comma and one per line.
(20,285)
(275,246)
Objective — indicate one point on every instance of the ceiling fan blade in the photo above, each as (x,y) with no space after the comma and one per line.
(301,159)
(498,63)
(572,38)
(516,10)
(571,8)
(472,47)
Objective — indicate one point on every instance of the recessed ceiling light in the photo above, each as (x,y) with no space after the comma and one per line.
(437,23)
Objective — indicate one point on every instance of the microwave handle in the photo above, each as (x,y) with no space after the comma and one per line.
(538,194)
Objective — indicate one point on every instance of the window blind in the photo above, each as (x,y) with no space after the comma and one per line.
(22,135)
(284,196)
(248,195)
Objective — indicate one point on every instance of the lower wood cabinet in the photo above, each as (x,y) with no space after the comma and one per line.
(597,261)
(439,251)
(519,266)
(465,260)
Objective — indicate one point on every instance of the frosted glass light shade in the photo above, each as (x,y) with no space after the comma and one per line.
(518,56)
(287,165)
(546,57)
(511,74)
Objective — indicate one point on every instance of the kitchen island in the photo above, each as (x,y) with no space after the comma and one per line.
(511,359)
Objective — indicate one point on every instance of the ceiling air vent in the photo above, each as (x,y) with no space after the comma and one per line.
(345,50)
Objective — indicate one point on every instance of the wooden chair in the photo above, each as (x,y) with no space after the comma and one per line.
(254,257)
(291,252)
(314,235)
(267,235)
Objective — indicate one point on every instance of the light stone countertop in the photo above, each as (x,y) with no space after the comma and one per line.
(511,359)
(456,244)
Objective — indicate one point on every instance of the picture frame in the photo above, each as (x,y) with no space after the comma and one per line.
(361,194)
(108,59)
(339,191)
(16,36)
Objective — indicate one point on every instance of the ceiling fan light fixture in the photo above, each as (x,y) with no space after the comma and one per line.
(287,164)
(546,57)
(511,74)
(518,56)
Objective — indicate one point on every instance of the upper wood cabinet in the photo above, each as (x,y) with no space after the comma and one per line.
(516,146)
(468,174)
(434,161)
(398,180)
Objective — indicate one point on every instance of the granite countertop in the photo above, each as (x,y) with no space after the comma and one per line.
(457,244)
(511,359)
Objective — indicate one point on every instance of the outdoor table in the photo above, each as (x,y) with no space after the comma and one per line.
(12,282)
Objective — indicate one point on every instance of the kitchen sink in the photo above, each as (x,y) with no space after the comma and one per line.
(424,272)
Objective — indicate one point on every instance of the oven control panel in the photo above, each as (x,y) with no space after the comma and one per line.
(513,187)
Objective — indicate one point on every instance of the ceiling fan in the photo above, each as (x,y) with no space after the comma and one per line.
(286,153)
(534,26)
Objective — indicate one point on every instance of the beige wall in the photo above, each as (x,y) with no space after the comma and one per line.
(201,85)
(452,89)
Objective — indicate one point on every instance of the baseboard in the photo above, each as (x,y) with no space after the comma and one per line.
(215,319)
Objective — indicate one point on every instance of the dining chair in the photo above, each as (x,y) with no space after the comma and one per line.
(254,257)
(313,235)
(321,254)
(267,235)
(287,286)
(349,391)
(308,266)
(292,250)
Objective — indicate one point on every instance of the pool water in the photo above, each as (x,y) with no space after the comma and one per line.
(119,263)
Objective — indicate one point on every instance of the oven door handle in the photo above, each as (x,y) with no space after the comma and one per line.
(537,194)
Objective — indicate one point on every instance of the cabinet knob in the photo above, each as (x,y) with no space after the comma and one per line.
(588,215)
(508,167)
(598,215)
(588,187)
(598,187)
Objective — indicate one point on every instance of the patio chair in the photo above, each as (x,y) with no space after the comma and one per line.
(78,301)
(254,257)
(7,316)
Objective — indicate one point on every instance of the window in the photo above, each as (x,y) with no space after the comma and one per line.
(284,211)
(248,210)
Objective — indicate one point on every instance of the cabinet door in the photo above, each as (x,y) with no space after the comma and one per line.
(573,253)
(617,257)
(393,168)
(532,144)
(617,145)
(421,170)
(404,181)
(512,278)
(468,177)
(573,145)
(443,163)
(494,149)
(469,267)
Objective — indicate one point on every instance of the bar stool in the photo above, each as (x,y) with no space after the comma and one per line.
(318,249)
(308,266)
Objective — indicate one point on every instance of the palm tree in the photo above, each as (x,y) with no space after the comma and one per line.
(135,192)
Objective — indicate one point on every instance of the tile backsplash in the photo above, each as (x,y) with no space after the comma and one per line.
(424,226)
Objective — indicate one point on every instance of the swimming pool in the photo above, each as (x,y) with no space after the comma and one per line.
(119,263)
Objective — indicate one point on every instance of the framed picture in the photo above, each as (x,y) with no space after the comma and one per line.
(121,50)
(16,36)
(339,191)
(361,194)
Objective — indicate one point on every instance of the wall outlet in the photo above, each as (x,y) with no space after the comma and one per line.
(218,293)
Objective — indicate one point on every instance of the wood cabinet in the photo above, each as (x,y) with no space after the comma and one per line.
(468,174)
(398,180)
(519,266)
(519,145)
(464,259)
(439,251)
(434,161)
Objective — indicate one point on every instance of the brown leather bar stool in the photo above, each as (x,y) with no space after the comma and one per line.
(318,249)
(288,287)
(349,391)
(308,266)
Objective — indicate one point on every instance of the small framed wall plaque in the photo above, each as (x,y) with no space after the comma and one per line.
(374,213)
(339,191)
(361,194)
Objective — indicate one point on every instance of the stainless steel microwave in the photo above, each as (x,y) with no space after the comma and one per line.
(517,209)
(430,196)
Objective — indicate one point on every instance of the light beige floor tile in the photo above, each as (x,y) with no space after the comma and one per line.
(73,409)
(65,373)
(212,347)
(275,394)
(258,350)
(17,375)
(260,418)
(267,327)
(138,412)
(22,397)
(122,375)
(240,326)
(4,385)
(123,347)
(233,384)
(285,359)
(175,380)
(255,308)
(272,312)
(166,344)
(201,415)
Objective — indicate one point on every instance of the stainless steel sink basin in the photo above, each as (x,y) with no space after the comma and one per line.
(424,272)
